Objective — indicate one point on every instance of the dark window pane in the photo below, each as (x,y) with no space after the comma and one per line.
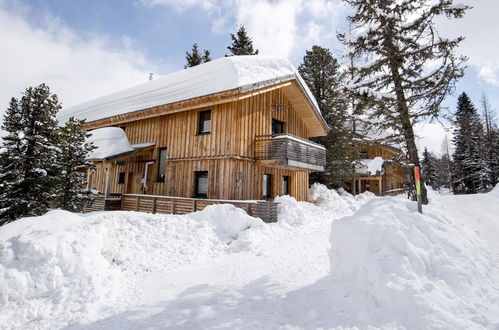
(363,155)
(121,178)
(285,185)
(162,157)
(277,126)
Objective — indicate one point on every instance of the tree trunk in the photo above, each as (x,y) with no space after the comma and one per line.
(405,118)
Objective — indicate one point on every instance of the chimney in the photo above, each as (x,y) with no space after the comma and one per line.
(150,76)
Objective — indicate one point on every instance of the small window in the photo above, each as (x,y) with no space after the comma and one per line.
(204,122)
(363,155)
(285,185)
(162,157)
(201,184)
(121,178)
(277,126)
(266,185)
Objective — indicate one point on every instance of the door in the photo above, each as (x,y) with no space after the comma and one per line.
(134,185)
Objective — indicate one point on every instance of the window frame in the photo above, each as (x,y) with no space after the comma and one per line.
(267,185)
(286,183)
(197,176)
(202,120)
(161,177)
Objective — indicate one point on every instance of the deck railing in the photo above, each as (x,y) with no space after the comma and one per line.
(267,211)
(291,151)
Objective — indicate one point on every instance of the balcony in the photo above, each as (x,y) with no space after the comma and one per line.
(289,151)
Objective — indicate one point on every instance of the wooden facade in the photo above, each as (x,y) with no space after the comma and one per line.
(226,152)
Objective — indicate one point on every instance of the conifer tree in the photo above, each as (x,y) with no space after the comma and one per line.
(29,149)
(241,43)
(72,165)
(471,171)
(429,169)
(195,58)
(407,69)
(321,72)
(490,129)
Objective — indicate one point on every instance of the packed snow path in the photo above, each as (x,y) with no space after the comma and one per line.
(438,271)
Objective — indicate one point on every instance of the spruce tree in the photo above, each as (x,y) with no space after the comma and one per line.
(30,147)
(471,170)
(241,43)
(72,165)
(407,67)
(429,169)
(321,72)
(195,58)
(490,128)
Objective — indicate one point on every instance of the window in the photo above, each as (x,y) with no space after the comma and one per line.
(285,185)
(121,178)
(277,126)
(363,155)
(266,184)
(204,122)
(201,184)
(162,157)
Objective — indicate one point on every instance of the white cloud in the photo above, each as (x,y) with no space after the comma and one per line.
(181,4)
(75,68)
(431,136)
(480,27)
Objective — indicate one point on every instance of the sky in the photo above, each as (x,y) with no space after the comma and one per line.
(84,49)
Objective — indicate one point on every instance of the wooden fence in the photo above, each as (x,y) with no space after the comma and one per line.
(267,211)
(101,203)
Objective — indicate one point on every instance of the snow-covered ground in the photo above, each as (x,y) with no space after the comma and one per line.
(344,263)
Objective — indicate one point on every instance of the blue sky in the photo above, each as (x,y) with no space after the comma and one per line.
(85,49)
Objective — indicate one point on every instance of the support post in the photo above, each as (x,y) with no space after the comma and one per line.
(109,181)
(418,189)
(380,186)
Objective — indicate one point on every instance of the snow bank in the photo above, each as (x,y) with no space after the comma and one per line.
(396,266)
(63,267)
(370,166)
(109,141)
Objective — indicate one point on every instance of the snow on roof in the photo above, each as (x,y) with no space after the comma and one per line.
(111,141)
(228,73)
(370,166)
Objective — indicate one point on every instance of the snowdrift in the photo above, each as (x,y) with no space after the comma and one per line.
(432,271)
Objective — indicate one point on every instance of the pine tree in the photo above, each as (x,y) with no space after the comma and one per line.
(26,179)
(195,58)
(71,165)
(429,169)
(241,43)
(471,171)
(407,67)
(321,72)
(490,127)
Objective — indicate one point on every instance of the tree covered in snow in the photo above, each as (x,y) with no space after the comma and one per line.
(241,43)
(471,170)
(71,165)
(194,57)
(406,68)
(321,72)
(30,147)
(491,142)
(429,169)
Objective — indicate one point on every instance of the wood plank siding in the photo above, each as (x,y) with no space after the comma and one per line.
(227,153)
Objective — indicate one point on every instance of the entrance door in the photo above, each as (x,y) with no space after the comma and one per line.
(134,185)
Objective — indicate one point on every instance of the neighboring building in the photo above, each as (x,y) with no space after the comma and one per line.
(377,171)
(235,128)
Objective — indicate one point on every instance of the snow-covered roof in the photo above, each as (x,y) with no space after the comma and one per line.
(244,73)
(370,166)
(111,142)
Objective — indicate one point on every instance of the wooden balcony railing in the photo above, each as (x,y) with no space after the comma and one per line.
(287,150)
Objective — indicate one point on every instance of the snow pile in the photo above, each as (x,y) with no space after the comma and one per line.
(109,141)
(63,267)
(395,266)
(340,202)
(370,166)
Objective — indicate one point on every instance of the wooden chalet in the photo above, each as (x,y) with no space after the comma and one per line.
(236,128)
(378,170)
